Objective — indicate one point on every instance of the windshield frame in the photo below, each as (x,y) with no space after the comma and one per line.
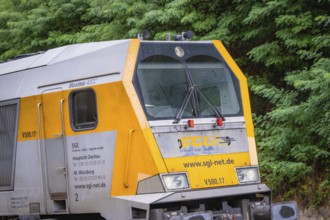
(192,49)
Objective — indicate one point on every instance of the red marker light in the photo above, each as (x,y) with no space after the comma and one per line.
(191,123)
(219,122)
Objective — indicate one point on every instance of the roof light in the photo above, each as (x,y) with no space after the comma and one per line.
(184,36)
(144,35)
(179,51)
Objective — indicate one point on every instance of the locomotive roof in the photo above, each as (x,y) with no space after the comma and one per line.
(31,75)
(56,55)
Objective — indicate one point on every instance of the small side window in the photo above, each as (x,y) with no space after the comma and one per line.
(83,110)
(8,134)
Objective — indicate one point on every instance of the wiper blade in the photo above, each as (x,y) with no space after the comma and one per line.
(192,92)
(213,107)
(184,105)
(193,87)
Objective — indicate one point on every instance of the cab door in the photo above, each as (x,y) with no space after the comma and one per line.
(54,147)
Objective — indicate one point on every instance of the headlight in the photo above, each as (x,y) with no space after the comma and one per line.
(175,181)
(248,174)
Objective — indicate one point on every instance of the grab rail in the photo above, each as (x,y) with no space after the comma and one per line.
(128,156)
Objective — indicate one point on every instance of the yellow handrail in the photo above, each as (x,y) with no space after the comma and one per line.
(128,155)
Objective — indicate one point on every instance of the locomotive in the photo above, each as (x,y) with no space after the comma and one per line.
(130,129)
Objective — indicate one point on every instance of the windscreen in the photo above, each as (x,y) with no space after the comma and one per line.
(214,81)
(163,85)
(196,87)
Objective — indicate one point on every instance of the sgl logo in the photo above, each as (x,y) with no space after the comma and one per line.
(204,141)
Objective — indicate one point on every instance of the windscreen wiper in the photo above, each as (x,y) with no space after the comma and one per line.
(184,104)
(213,107)
(192,92)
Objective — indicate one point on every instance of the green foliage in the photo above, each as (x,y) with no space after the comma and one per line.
(282,45)
(294,136)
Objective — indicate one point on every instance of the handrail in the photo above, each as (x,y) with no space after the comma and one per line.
(44,178)
(62,116)
(39,127)
(128,156)
(65,154)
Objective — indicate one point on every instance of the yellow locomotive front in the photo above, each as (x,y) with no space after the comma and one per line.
(196,102)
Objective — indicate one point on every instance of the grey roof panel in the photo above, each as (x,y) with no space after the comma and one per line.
(55,56)
(18,65)
(60,66)
(78,50)
(48,56)
(10,85)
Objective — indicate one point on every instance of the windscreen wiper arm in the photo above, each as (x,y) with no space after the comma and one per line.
(184,105)
(195,102)
(191,93)
(213,107)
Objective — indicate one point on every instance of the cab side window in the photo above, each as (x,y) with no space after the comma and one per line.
(83,110)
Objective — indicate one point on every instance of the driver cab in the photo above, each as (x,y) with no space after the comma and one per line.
(165,76)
